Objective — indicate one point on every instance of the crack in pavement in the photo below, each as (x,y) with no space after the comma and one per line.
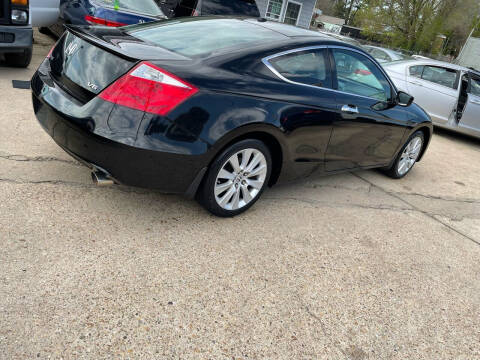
(393,194)
(119,187)
(40,182)
(24,158)
(328,203)
(432,197)
(324,329)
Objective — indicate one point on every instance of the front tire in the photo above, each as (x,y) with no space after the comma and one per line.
(407,157)
(236,179)
(21,59)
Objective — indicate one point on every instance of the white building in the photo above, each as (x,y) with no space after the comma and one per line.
(295,12)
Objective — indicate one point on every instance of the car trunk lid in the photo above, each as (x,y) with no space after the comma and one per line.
(86,60)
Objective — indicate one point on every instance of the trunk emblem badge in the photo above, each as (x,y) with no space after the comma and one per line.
(92,86)
(71,48)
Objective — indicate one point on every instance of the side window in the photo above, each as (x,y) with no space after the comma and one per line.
(229,7)
(306,67)
(380,55)
(416,70)
(475,86)
(440,75)
(358,75)
(186,8)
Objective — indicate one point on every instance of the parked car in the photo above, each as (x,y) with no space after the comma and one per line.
(178,8)
(16,33)
(44,12)
(449,93)
(343,38)
(113,13)
(383,55)
(219,108)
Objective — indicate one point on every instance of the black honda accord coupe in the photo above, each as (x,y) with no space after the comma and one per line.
(218,108)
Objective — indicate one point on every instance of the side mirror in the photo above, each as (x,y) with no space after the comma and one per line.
(404,99)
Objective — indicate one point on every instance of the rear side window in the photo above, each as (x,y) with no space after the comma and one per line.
(147,7)
(475,86)
(440,75)
(380,55)
(229,7)
(416,70)
(306,67)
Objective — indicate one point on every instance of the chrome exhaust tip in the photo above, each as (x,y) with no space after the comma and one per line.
(100,179)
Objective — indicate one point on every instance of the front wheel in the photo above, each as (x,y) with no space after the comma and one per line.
(21,59)
(236,179)
(407,157)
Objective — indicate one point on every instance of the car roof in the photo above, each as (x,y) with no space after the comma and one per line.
(413,62)
(285,29)
(260,36)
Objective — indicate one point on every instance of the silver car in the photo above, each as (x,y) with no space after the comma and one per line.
(449,93)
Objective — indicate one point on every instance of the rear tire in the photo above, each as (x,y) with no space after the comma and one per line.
(21,59)
(236,179)
(407,157)
(44,30)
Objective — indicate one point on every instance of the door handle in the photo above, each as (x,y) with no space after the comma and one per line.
(476,102)
(416,83)
(350,109)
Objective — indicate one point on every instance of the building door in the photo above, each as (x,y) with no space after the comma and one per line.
(292,13)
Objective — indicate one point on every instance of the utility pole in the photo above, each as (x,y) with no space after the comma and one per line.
(468,38)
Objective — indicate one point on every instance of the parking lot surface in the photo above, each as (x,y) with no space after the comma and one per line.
(353,266)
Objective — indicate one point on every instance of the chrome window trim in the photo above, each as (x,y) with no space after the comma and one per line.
(266,62)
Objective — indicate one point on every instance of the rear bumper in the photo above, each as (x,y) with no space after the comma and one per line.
(15,39)
(168,171)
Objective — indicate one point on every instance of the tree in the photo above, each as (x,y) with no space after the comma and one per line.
(414,24)
(347,9)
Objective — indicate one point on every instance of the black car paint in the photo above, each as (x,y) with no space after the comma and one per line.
(239,97)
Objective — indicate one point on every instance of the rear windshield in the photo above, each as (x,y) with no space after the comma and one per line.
(230,7)
(147,7)
(197,37)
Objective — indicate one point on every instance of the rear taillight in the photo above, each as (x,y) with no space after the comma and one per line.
(195,13)
(92,20)
(150,89)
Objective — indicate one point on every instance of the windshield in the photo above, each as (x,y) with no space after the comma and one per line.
(147,7)
(195,37)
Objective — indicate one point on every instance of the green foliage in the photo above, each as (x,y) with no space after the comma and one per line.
(415,24)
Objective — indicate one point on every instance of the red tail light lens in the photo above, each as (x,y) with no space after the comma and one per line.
(150,89)
(92,20)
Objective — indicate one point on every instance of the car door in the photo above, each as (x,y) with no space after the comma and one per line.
(471,114)
(368,128)
(435,89)
(309,111)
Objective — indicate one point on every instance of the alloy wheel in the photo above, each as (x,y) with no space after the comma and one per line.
(410,155)
(240,179)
